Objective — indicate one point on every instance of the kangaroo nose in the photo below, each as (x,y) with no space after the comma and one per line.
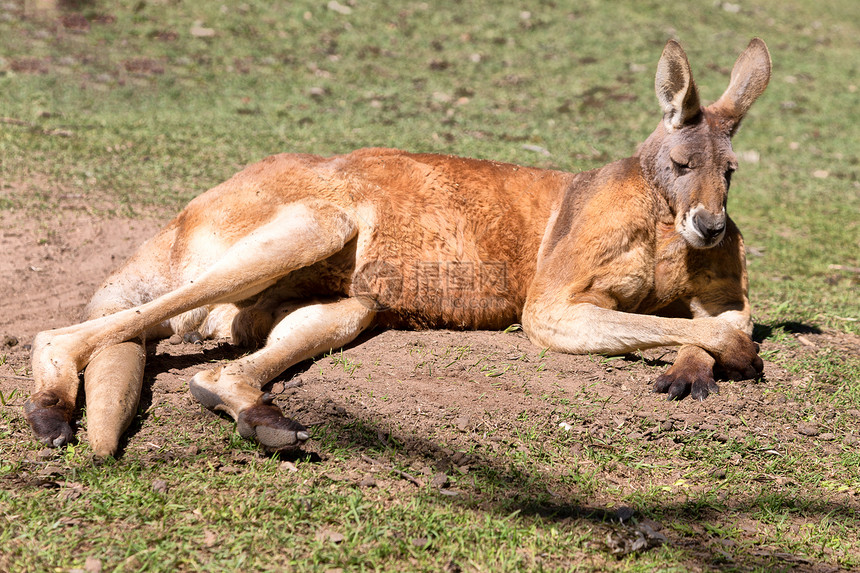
(709,225)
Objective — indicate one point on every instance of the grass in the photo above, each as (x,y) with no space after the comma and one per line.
(534,506)
(133,114)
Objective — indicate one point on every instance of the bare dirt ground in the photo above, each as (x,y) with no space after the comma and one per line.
(449,399)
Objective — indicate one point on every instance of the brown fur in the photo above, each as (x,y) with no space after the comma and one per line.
(301,253)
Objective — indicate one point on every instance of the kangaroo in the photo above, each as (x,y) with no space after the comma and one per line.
(298,254)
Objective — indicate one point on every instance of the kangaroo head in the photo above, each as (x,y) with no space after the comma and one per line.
(689,157)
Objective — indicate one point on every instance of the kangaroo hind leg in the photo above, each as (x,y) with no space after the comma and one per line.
(50,408)
(304,333)
(296,236)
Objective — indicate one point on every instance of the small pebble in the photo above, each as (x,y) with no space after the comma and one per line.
(175,339)
(46,454)
(277,388)
(329,535)
(93,565)
(210,538)
(439,480)
(624,513)
(192,337)
(808,429)
(316,92)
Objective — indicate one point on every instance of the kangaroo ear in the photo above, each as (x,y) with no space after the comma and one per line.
(676,90)
(749,78)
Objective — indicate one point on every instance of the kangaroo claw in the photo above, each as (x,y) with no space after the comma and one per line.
(265,423)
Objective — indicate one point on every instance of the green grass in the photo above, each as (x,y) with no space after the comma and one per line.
(137,115)
(543,501)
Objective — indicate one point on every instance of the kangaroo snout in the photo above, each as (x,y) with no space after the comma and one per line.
(710,225)
(703,228)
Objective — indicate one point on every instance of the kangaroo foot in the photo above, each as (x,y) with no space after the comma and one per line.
(261,421)
(265,423)
(50,418)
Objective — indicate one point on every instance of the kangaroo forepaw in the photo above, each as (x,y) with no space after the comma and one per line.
(265,423)
(740,360)
(743,371)
(50,418)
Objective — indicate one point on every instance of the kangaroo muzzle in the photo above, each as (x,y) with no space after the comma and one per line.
(703,228)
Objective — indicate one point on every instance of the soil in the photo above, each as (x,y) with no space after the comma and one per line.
(448,399)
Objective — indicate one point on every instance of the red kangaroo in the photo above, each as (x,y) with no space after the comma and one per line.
(298,254)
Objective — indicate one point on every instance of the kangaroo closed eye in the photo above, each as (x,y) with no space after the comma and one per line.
(682,156)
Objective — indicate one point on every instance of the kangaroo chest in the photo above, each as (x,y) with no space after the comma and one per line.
(671,278)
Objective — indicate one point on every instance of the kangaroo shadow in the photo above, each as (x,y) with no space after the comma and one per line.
(498,486)
(159,363)
(502,487)
(763,331)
